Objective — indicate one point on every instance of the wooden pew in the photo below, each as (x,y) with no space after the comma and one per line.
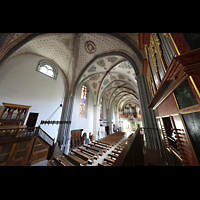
(75,160)
(118,149)
(65,161)
(94,149)
(104,145)
(112,155)
(114,138)
(115,152)
(83,155)
(89,152)
(99,147)
(76,139)
(54,162)
(109,160)
(103,164)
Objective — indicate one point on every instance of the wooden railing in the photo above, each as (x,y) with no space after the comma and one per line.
(47,138)
(143,140)
(132,154)
(151,140)
(11,133)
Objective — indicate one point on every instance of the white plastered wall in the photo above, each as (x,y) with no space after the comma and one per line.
(85,123)
(20,83)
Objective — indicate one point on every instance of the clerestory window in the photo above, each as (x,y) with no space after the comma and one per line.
(83,101)
(48,68)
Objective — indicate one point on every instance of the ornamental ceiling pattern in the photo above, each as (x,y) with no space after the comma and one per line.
(109,72)
(110,77)
(54,48)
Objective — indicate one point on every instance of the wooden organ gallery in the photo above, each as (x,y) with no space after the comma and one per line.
(173,74)
(65,98)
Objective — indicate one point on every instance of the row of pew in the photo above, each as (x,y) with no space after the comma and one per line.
(112,157)
(86,154)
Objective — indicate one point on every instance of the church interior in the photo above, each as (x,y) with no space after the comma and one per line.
(99,99)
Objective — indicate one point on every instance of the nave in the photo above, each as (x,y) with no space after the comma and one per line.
(102,152)
(53,84)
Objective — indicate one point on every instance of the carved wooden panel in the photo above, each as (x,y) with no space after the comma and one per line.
(13,114)
(40,151)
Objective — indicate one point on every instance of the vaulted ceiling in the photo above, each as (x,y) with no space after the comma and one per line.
(108,66)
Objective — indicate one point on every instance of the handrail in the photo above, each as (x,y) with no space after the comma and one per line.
(47,138)
(16,133)
(151,140)
(139,143)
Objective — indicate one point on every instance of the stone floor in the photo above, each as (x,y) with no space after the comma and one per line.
(101,158)
(42,163)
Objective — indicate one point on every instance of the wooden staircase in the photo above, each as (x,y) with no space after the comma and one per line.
(24,146)
(57,152)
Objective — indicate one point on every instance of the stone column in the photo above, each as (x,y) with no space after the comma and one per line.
(68,107)
(96,123)
(148,117)
(65,129)
(109,119)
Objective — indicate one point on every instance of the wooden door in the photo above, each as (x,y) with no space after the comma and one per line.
(32,119)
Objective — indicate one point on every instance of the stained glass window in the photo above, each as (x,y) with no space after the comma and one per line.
(101,108)
(83,101)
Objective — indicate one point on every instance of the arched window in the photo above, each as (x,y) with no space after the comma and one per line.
(83,101)
(48,68)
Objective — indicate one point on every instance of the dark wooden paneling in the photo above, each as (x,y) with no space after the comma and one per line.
(184,95)
(180,42)
(16,153)
(132,154)
(193,126)
(40,151)
(168,106)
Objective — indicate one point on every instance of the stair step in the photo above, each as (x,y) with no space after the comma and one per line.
(57,152)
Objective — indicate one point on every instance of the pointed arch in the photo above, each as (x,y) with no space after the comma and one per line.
(113,53)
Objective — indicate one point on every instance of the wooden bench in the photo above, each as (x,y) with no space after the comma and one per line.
(109,160)
(118,149)
(103,164)
(114,138)
(116,152)
(83,155)
(89,152)
(75,160)
(103,145)
(54,162)
(112,155)
(107,143)
(94,149)
(97,146)
(65,161)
